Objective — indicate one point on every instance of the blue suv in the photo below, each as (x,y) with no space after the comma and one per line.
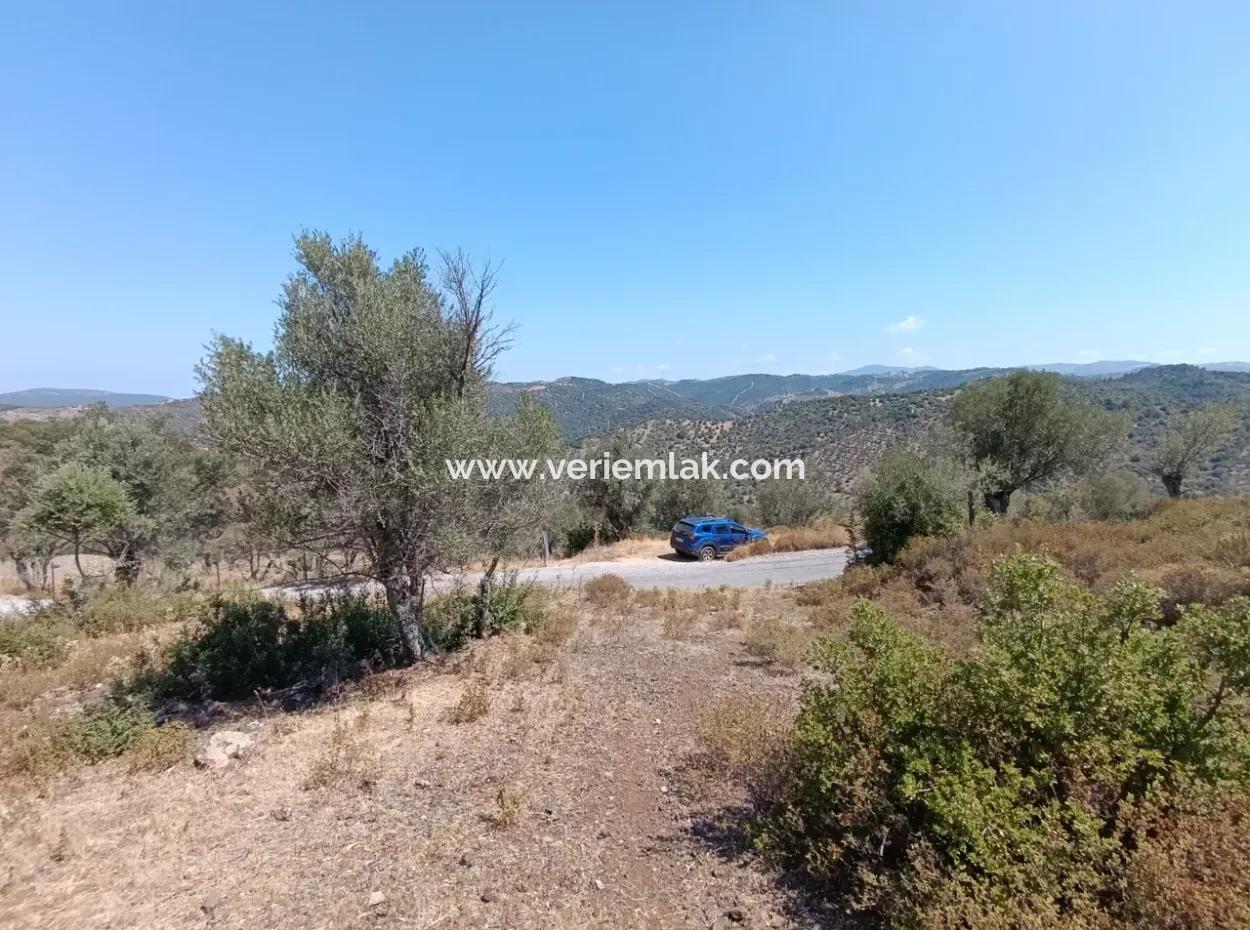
(706,537)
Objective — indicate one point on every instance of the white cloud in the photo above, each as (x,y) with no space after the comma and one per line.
(769,357)
(906,325)
(662,367)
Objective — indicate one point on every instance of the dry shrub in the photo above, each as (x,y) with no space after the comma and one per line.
(161,748)
(510,804)
(1192,869)
(553,626)
(745,735)
(608,591)
(795,539)
(680,624)
(349,760)
(777,643)
(473,704)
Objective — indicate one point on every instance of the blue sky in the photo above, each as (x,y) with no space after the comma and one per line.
(675,189)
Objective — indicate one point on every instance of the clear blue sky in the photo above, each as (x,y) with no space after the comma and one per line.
(677,189)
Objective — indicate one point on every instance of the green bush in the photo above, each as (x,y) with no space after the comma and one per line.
(450,620)
(907,496)
(31,643)
(998,790)
(241,647)
(107,731)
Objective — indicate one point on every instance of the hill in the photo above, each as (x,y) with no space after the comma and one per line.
(839,437)
(75,397)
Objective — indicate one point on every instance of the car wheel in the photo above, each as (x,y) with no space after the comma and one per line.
(707,554)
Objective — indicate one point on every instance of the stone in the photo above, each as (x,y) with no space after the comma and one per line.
(468,859)
(376,899)
(223,747)
(490,895)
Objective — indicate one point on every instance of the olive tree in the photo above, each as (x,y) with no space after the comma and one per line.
(27,451)
(78,505)
(1027,428)
(174,485)
(1192,438)
(376,379)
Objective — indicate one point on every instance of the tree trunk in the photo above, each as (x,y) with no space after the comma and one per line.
(405,597)
(972,508)
(1172,484)
(485,590)
(77,560)
(22,567)
(126,569)
(997,501)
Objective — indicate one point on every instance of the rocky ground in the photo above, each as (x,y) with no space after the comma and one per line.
(572,794)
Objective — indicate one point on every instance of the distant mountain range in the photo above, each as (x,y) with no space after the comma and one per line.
(75,397)
(586,407)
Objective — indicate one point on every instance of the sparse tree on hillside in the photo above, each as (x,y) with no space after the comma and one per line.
(27,451)
(375,380)
(791,502)
(174,485)
(1191,439)
(676,499)
(1026,428)
(617,505)
(78,505)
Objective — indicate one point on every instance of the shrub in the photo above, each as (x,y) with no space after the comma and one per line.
(790,503)
(608,591)
(241,647)
(825,535)
(473,704)
(999,789)
(106,731)
(30,643)
(450,620)
(905,497)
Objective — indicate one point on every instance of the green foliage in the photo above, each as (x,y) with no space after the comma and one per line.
(618,505)
(106,731)
(789,503)
(998,788)
(377,378)
(78,504)
(1192,438)
(451,618)
(241,647)
(1028,428)
(30,643)
(907,496)
(676,499)
(173,484)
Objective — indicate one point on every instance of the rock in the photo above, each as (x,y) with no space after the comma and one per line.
(376,899)
(490,895)
(737,914)
(281,814)
(598,884)
(468,859)
(421,783)
(222,747)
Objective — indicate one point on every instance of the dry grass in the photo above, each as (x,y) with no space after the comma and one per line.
(795,539)
(511,802)
(348,760)
(1195,551)
(473,705)
(637,546)
(680,624)
(744,735)
(608,591)
(161,748)
(781,645)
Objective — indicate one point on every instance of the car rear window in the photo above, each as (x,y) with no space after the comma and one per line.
(683,527)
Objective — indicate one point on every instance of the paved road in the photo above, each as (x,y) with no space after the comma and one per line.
(667,571)
(787,568)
